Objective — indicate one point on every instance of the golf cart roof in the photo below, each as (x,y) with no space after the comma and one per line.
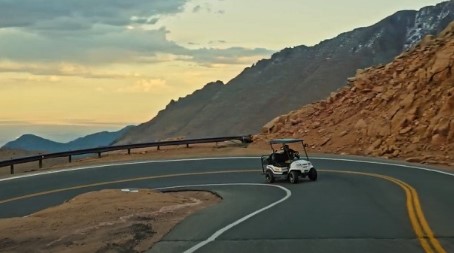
(283,141)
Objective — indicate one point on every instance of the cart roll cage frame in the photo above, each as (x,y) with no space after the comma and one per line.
(286,141)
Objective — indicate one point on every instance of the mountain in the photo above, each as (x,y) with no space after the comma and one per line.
(290,79)
(30,142)
(402,109)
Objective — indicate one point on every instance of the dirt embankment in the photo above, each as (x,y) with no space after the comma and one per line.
(104,221)
(404,109)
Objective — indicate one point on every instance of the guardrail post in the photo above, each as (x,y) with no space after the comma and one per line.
(12,169)
(41,162)
(159,148)
(99,154)
(70,158)
(187,145)
(129,151)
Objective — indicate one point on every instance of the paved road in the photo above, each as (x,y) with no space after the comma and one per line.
(355,206)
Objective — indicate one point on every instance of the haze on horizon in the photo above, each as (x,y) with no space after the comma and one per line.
(87,65)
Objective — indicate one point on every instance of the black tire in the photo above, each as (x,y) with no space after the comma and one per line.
(269,177)
(312,174)
(293,177)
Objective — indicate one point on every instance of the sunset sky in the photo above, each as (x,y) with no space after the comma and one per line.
(104,64)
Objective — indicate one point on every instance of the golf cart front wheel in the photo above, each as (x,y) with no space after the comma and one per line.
(269,177)
(293,177)
(312,174)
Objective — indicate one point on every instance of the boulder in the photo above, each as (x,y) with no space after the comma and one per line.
(438,140)
(414,159)
(268,127)
(451,132)
(407,101)
(374,146)
(448,105)
(443,126)
(343,133)
(406,130)
(360,124)
(325,141)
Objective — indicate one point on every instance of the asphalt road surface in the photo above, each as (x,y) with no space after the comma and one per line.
(355,206)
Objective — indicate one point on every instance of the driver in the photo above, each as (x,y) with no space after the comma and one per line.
(290,153)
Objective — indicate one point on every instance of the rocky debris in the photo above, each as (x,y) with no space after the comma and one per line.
(403,109)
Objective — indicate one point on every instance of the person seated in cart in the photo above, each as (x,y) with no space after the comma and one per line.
(287,163)
(290,153)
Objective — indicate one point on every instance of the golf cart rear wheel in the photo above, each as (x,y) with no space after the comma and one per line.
(293,177)
(269,177)
(312,174)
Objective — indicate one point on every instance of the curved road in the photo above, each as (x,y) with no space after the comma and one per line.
(355,206)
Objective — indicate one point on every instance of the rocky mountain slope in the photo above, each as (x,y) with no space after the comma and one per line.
(402,109)
(292,78)
(30,142)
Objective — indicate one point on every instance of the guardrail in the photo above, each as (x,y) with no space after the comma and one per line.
(129,147)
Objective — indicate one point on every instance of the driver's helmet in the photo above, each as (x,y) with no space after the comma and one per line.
(286,147)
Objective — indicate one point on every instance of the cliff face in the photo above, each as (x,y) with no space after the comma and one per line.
(292,78)
(402,109)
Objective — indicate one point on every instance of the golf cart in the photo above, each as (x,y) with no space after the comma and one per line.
(287,163)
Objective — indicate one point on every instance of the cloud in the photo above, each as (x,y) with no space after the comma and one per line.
(146,86)
(47,79)
(54,72)
(144,20)
(33,13)
(196,8)
(233,55)
(114,45)
(207,7)
(217,42)
(102,32)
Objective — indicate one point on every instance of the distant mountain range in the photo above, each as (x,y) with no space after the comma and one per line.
(30,142)
(292,78)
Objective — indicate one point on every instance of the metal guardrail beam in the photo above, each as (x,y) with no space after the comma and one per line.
(100,150)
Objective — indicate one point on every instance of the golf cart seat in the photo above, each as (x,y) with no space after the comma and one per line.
(279,159)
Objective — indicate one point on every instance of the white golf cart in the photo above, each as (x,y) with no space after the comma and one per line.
(287,163)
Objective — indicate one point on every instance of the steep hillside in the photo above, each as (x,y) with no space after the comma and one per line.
(100,139)
(182,111)
(402,109)
(30,142)
(292,78)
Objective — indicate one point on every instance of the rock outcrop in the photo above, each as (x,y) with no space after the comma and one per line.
(402,109)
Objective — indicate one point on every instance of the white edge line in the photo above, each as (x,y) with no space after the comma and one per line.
(118,164)
(384,163)
(216,158)
(216,234)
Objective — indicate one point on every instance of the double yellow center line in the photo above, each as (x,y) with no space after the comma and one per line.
(424,233)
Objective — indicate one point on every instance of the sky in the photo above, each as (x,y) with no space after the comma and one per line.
(72,67)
